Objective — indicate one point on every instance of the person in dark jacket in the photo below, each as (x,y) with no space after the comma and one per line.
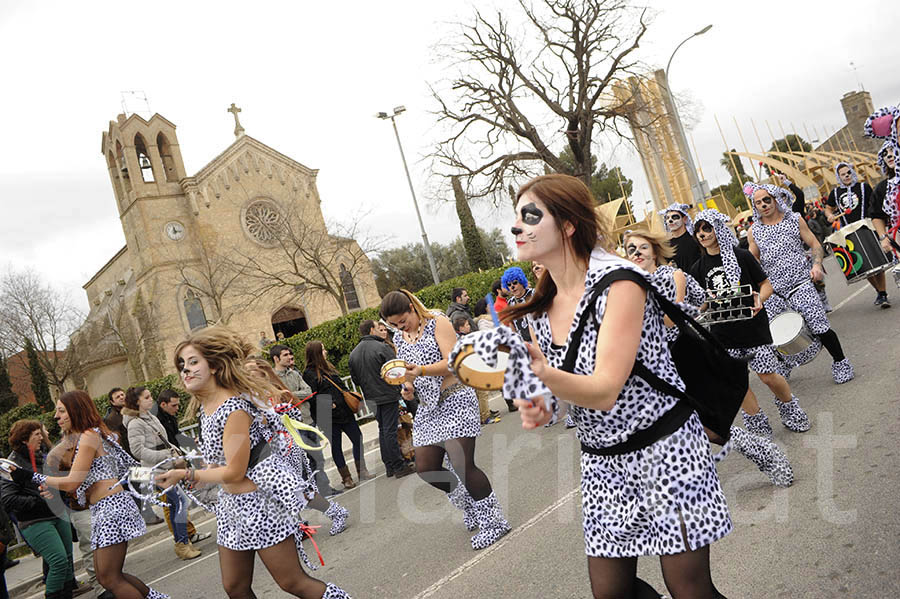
(325,381)
(459,306)
(48,536)
(366,361)
(113,418)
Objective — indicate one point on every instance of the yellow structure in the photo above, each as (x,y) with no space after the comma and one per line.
(662,146)
(188,242)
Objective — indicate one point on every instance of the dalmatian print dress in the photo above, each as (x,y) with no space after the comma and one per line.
(438,418)
(634,504)
(663,279)
(783,258)
(114,519)
(267,515)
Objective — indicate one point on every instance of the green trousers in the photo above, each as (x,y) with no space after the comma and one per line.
(52,540)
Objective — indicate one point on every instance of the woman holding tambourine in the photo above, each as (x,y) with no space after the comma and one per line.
(662,498)
(99,463)
(447,420)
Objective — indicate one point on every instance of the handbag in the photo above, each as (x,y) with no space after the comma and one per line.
(350,398)
(715,382)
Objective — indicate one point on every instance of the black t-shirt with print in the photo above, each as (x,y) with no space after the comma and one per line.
(840,201)
(876,207)
(687,251)
(741,333)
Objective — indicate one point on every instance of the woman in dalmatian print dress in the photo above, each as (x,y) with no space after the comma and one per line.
(647,250)
(776,240)
(259,504)
(99,463)
(663,499)
(447,420)
(723,265)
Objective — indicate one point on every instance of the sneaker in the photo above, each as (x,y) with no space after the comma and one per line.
(882,300)
(495,412)
(491,420)
(405,471)
(200,536)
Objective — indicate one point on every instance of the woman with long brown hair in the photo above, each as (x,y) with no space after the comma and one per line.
(335,419)
(261,496)
(662,497)
(287,403)
(447,420)
(99,463)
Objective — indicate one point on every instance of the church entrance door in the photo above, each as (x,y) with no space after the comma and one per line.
(289,320)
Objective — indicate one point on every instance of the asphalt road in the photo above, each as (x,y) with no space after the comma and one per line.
(834,533)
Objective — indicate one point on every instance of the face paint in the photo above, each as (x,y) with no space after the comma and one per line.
(673,217)
(537,235)
(195,371)
(641,252)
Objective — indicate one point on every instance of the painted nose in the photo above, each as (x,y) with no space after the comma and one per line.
(515,230)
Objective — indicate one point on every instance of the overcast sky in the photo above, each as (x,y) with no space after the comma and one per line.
(310,76)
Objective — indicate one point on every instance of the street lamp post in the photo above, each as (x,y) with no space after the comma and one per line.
(392,117)
(696,184)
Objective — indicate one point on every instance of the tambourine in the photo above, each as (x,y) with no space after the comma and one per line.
(472,370)
(6,468)
(394,372)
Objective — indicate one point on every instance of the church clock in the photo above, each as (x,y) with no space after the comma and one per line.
(175,230)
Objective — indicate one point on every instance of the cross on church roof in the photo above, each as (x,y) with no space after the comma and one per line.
(238,130)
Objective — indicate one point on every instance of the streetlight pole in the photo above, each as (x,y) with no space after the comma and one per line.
(412,191)
(696,185)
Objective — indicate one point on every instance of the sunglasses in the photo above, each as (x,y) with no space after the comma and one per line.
(705,227)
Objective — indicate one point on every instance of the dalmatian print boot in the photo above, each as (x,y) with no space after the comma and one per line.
(758,423)
(491,522)
(842,371)
(767,456)
(338,515)
(792,415)
(332,591)
(154,594)
(461,500)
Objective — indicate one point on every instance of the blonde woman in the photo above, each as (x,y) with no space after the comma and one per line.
(261,496)
(447,420)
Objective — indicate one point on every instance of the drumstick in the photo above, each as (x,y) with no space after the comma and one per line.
(490,305)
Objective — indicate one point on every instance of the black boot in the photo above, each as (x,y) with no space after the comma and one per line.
(511,406)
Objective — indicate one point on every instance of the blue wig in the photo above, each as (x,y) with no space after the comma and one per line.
(514,273)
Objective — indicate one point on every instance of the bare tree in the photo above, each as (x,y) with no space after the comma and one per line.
(32,309)
(516,95)
(219,275)
(306,258)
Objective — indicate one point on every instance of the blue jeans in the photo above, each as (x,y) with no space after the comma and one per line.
(178,510)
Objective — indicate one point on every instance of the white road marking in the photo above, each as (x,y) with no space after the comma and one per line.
(846,300)
(516,532)
(193,562)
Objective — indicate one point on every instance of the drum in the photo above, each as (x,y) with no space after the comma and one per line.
(394,372)
(789,333)
(858,251)
(472,371)
(896,273)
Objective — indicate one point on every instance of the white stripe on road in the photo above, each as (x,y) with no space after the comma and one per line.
(193,562)
(847,300)
(496,546)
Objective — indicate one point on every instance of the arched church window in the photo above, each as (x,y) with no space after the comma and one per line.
(350,295)
(263,222)
(193,307)
(165,154)
(140,148)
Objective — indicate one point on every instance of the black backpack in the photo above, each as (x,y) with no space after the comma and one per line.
(715,383)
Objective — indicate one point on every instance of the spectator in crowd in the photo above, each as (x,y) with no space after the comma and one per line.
(365,363)
(499,294)
(462,324)
(264,340)
(283,359)
(113,417)
(169,402)
(279,335)
(5,539)
(483,322)
(331,413)
(459,306)
(150,445)
(48,536)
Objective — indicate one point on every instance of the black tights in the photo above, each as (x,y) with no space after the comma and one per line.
(430,467)
(282,562)
(830,340)
(108,562)
(686,574)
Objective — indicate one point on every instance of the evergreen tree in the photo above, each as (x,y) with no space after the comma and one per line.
(8,399)
(470,235)
(39,383)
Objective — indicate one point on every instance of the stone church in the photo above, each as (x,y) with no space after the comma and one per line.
(242,242)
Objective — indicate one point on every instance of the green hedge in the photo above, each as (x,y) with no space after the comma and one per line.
(29,411)
(340,336)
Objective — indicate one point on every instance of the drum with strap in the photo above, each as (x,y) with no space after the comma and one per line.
(858,251)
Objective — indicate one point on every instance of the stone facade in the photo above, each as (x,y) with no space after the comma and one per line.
(189,243)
